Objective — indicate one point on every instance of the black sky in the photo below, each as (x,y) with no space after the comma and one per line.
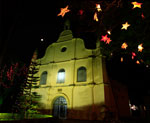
(25,22)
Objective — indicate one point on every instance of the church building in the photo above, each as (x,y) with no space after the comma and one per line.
(73,82)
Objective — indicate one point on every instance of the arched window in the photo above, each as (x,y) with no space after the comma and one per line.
(61,76)
(43,78)
(81,74)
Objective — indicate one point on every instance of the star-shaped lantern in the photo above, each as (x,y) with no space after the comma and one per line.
(138,62)
(124,45)
(121,59)
(136,4)
(133,55)
(104,38)
(95,16)
(108,41)
(80,12)
(140,48)
(98,7)
(142,15)
(63,11)
(109,32)
(125,26)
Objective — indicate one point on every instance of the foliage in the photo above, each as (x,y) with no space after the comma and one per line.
(27,101)
(12,76)
(114,13)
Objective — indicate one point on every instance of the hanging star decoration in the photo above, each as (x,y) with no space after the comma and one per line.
(104,38)
(63,11)
(109,32)
(80,12)
(98,7)
(95,16)
(142,15)
(124,45)
(133,55)
(136,5)
(108,41)
(140,48)
(138,62)
(125,26)
(121,59)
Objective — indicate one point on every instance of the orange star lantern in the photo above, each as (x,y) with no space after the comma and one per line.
(121,59)
(136,4)
(95,16)
(108,41)
(138,62)
(125,26)
(140,48)
(63,11)
(124,45)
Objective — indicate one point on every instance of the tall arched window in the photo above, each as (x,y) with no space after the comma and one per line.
(81,74)
(43,78)
(61,76)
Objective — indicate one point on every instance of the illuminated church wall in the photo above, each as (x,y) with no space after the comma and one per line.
(77,75)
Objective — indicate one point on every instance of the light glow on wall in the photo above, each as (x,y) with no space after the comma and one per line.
(61,76)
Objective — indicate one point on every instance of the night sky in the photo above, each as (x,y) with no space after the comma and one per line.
(26,22)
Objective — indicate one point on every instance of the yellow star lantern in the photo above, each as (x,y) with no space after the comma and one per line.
(140,48)
(136,4)
(63,11)
(124,45)
(98,7)
(125,26)
(109,32)
(95,16)
(137,62)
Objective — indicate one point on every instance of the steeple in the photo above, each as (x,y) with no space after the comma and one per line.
(66,34)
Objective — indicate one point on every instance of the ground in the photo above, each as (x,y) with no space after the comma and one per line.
(53,120)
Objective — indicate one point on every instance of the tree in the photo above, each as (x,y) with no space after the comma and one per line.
(27,100)
(11,78)
(92,19)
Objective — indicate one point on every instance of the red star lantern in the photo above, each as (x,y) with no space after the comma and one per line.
(133,55)
(104,38)
(142,15)
(80,12)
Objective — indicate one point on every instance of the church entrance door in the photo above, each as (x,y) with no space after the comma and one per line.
(60,108)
